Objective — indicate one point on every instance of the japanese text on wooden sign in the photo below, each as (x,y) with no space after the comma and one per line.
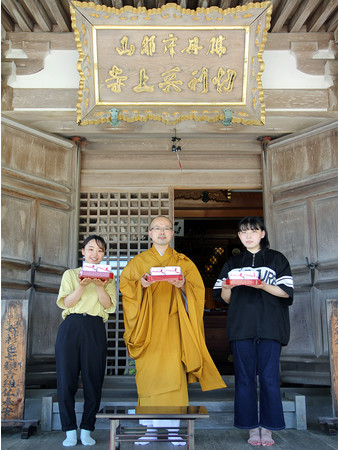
(170,64)
(13,357)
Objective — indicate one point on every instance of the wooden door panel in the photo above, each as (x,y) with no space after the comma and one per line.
(52,235)
(301,212)
(16,225)
(39,227)
(292,232)
(326,214)
(302,332)
(44,323)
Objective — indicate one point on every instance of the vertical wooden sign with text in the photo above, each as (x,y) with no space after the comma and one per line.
(332,321)
(14,315)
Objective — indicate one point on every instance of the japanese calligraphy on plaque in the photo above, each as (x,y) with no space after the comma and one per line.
(170,64)
(14,314)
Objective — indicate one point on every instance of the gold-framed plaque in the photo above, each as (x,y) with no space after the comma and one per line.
(170,64)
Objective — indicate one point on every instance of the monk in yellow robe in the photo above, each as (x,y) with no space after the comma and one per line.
(164,330)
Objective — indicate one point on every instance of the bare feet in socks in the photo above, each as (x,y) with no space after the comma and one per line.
(71,439)
(86,438)
(174,438)
(150,435)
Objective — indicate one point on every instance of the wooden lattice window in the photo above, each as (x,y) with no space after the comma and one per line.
(122,219)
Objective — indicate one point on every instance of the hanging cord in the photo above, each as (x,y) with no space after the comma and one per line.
(179,161)
(177,148)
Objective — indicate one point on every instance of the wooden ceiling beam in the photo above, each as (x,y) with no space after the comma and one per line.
(66,41)
(203,3)
(305,99)
(138,3)
(6,21)
(48,14)
(57,41)
(153,4)
(302,13)
(41,17)
(219,213)
(225,4)
(61,17)
(283,41)
(275,4)
(332,23)
(20,15)
(282,14)
(117,4)
(327,7)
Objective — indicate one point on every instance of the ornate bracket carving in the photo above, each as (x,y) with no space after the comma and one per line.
(114,121)
(227,118)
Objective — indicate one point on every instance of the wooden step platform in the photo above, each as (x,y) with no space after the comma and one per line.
(219,403)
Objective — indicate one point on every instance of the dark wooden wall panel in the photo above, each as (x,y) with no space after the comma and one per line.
(301,209)
(39,226)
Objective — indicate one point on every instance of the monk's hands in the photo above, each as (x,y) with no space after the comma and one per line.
(144,281)
(178,283)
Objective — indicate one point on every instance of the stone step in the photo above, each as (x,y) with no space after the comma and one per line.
(221,415)
(220,411)
(121,391)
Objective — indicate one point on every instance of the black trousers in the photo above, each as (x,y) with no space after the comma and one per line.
(81,346)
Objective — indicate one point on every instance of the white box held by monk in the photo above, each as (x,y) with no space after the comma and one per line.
(157,271)
(165,273)
(172,270)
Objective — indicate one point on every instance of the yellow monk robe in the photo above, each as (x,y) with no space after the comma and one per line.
(166,341)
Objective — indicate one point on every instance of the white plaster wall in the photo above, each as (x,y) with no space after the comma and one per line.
(280,73)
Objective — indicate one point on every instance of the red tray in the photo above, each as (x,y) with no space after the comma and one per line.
(99,275)
(165,277)
(243,282)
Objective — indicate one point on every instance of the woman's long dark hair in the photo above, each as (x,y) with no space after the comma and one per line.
(255,223)
(98,239)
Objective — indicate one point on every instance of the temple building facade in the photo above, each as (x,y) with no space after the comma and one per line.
(65,176)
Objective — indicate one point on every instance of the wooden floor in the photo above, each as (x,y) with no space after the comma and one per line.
(318,404)
(204,440)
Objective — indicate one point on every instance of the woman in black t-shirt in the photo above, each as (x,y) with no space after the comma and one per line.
(258,326)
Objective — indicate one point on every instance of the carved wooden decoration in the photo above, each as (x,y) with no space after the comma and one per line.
(332,316)
(330,424)
(170,64)
(14,316)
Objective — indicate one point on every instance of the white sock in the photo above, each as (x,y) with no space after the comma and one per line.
(71,439)
(149,436)
(173,433)
(86,438)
